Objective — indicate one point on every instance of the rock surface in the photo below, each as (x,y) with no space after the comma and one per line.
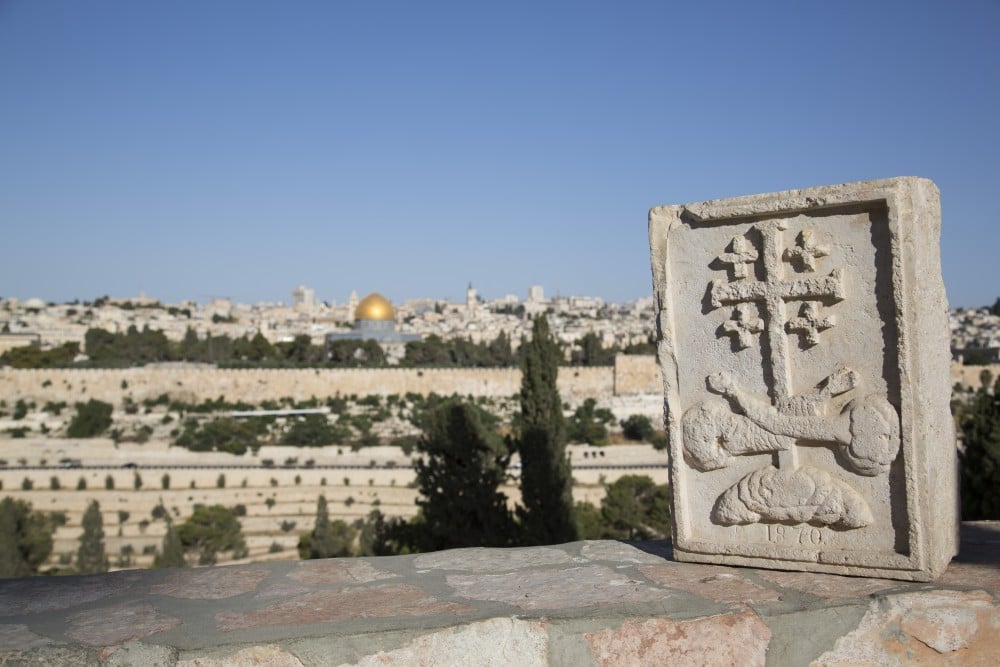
(584,603)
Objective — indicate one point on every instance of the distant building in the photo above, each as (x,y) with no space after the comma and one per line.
(375,319)
(303,298)
(536,294)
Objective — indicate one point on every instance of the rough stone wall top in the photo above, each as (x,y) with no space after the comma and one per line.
(804,343)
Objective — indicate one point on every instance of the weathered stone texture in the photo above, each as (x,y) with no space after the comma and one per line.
(119,623)
(533,589)
(210,584)
(730,639)
(341,604)
(939,628)
(804,344)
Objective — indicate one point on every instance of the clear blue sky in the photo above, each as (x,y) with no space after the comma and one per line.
(205,148)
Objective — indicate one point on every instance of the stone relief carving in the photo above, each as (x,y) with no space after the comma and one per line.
(863,428)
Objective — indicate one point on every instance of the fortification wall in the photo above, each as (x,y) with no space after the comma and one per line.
(637,374)
(970,377)
(256,385)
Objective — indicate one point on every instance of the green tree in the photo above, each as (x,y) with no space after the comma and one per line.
(637,427)
(979,455)
(464,463)
(589,424)
(635,508)
(25,538)
(91,556)
(312,431)
(546,481)
(593,353)
(328,539)
(91,419)
(212,530)
(172,552)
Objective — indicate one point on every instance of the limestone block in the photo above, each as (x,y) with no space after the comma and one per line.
(804,345)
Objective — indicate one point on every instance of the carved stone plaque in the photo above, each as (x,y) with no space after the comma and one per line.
(804,343)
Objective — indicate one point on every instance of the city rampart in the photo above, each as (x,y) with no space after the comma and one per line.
(256,385)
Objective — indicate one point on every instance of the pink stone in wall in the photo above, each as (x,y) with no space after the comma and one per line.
(728,639)
(113,625)
(341,604)
(215,583)
(932,628)
(337,571)
(254,656)
(721,584)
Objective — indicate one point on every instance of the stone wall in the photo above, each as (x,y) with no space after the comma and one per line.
(256,385)
(970,377)
(600,603)
(637,374)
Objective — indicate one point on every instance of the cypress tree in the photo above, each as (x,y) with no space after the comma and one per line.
(12,563)
(328,539)
(172,553)
(459,476)
(546,478)
(980,455)
(90,557)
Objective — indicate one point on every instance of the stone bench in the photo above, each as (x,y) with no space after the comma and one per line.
(584,603)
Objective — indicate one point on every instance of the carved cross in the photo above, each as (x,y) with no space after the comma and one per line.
(773,292)
(809,323)
(806,251)
(744,324)
(741,254)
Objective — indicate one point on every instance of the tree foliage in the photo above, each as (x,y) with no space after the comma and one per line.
(546,481)
(434,351)
(463,463)
(589,424)
(591,352)
(91,419)
(211,530)
(638,427)
(91,556)
(172,552)
(226,434)
(633,508)
(314,431)
(327,539)
(31,356)
(25,538)
(979,455)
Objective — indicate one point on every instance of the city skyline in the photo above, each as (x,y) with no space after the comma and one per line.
(192,151)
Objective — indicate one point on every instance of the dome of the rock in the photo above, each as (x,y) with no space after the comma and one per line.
(374,307)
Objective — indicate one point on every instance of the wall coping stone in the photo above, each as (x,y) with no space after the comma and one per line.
(583,603)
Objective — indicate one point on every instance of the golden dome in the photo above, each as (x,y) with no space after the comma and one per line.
(374,307)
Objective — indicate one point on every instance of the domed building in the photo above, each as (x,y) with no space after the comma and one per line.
(375,319)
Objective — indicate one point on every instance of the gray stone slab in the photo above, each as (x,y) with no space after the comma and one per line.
(804,344)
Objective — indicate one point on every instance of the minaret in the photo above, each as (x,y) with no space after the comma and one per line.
(470,298)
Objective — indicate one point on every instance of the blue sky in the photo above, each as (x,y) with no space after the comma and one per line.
(196,149)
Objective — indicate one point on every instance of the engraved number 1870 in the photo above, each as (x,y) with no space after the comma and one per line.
(806,535)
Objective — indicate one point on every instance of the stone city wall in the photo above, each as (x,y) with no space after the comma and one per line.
(256,385)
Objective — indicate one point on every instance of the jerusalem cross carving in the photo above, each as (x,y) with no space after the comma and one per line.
(803,342)
(713,432)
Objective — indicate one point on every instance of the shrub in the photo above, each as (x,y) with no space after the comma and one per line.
(91,419)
